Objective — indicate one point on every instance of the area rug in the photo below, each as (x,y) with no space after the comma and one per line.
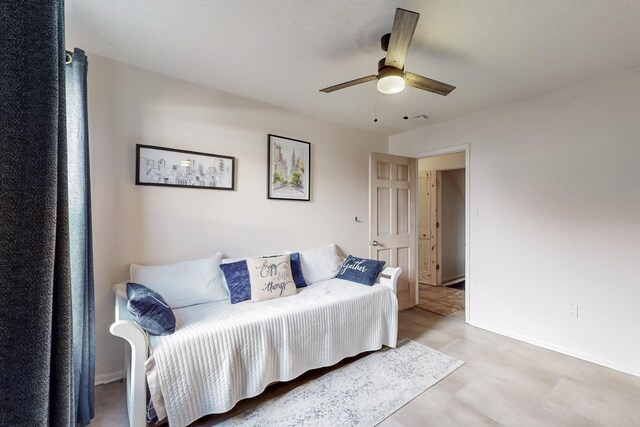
(362,393)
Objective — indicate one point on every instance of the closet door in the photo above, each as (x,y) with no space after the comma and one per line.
(434,219)
(424,228)
(429,230)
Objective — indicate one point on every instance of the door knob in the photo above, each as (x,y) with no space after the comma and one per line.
(375,243)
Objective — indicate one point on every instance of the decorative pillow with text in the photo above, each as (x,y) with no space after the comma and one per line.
(296,269)
(360,270)
(270,278)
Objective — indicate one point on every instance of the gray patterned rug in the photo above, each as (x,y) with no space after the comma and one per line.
(362,393)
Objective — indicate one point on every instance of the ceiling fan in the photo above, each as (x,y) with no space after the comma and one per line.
(391,76)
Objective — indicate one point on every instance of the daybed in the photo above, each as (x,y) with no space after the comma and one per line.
(222,353)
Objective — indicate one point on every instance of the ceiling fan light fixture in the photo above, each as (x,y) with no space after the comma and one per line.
(391,84)
(391,76)
(390,80)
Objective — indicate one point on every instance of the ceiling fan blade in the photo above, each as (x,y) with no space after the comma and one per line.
(349,83)
(404,25)
(429,85)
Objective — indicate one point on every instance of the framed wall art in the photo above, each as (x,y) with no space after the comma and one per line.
(289,166)
(170,167)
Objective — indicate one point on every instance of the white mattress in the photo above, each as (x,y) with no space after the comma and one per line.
(222,353)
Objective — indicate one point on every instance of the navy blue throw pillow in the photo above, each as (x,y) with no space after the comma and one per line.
(360,270)
(296,270)
(237,276)
(150,310)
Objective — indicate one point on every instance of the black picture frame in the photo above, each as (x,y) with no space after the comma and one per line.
(157,166)
(288,169)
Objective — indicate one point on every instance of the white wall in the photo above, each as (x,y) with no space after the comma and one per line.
(453,217)
(128,105)
(556,181)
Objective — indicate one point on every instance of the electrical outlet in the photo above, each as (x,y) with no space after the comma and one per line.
(573,311)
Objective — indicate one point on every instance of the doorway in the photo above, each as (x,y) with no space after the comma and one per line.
(441,222)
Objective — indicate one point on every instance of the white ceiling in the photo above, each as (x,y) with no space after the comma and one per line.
(282,52)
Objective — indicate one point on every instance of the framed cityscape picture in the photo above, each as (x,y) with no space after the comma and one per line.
(289,169)
(170,167)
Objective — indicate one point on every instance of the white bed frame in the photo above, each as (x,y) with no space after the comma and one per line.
(137,352)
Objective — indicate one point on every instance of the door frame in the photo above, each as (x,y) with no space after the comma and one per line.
(467,219)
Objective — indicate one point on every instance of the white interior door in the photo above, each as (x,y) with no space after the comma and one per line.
(392,196)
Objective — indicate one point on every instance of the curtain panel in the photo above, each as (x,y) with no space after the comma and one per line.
(38,358)
(35,285)
(80,237)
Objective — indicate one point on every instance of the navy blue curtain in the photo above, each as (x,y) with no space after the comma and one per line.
(35,284)
(80,238)
(39,286)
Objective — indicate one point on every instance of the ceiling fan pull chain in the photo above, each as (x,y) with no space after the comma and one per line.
(375,106)
(405,105)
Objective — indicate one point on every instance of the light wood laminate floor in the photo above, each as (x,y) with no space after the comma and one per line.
(442,300)
(504,382)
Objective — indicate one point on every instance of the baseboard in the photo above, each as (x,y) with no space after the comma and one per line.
(108,378)
(560,349)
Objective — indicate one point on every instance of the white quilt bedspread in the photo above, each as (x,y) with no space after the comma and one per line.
(222,353)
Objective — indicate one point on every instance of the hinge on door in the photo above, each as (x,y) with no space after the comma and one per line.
(437,266)
(437,225)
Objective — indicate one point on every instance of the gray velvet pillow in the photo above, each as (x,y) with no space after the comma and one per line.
(150,310)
